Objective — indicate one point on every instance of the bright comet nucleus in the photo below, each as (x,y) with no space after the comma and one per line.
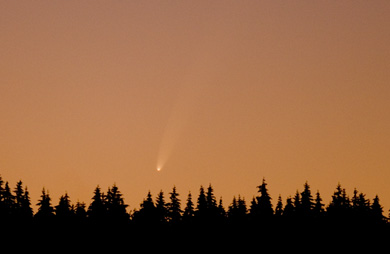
(159,169)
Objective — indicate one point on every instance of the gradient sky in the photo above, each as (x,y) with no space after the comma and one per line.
(221,92)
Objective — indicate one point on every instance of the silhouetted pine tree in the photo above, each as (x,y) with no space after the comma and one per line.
(339,208)
(279,207)
(27,211)
(45,212)
(8,201)
(237,211)
(355,199)
(147,215)
(201,208)
(306,201)
(64,211)
(221,210)
(174,211)
(115,206)
(376,212)
(19,196)
(97,210)
(232,210)
(289,208)
(161,208)
(211,204)
(363,208)
(297,204)
(318,209)
(261,208)
(23,211)
(80,212)
(188,214)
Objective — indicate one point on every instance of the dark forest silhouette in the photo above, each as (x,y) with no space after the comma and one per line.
(174,211)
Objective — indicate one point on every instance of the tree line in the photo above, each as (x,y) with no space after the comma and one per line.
(109,208)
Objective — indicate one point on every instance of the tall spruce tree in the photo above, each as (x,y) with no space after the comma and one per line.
(279,207)
(161,207)
(23,210)
(27,211)
(8,201)
(211,205)
(80,212)
(97,210)
(221,210)
(261,208)
(45,210)
(115,206)
(174,211)
(297,204)
(19,196)
(237,211)
(211,201)
(376,212)
(307,203)
(201,208)
(64,210)
(147,215)
(339,207)
(289,208)
(188,214)
(232,210)
(318,209)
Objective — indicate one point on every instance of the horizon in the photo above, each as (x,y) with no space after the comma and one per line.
(182,199)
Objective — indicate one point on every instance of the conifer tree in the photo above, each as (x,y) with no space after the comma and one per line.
(189,213)
(147,215)
(242,210)
(289,208)
(80,211)
(64,209)
(297,204)
(221,209)
(174,211)
(201,208)
(355,199)
(45,210)
(23,210)
(26,205)
(19,196)
(339,207)
(237,211)
(376,212)
(279,207)
(161,207)
(262,207)
(115,205)
(232,210)
(97,210)
(211,204)
(363,205)
(8,201)
(148,202)
(318,208)
(306,201)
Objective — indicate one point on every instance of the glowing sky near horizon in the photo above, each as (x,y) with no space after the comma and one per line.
(221,92)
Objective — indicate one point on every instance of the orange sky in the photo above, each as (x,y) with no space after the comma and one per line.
(224,92)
